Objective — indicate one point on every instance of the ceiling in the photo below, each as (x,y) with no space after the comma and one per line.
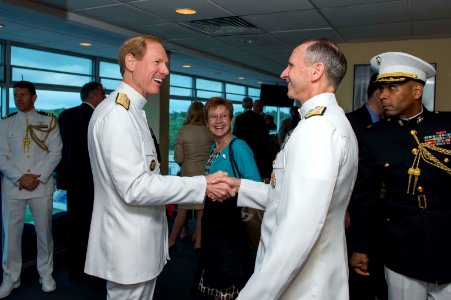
(248,38)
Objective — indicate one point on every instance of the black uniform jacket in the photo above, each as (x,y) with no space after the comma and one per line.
(416,210)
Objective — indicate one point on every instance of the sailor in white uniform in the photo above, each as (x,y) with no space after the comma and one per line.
(302,251)
(30,150)
(128,240)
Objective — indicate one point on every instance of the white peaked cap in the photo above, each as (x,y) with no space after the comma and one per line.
(399,67)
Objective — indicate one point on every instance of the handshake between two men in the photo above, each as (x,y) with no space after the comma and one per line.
(220,186)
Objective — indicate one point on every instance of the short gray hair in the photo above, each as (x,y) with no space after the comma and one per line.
(327,52)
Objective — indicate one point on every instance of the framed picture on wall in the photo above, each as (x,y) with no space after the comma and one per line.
(362,75)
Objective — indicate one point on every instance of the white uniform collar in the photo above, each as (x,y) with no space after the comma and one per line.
(413,117)
(26,115)
(324,99)
(136,99)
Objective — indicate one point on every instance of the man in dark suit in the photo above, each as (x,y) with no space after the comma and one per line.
(74,174)
(269,119)
(369,113)
(409,155)
(251,127)
(367,287)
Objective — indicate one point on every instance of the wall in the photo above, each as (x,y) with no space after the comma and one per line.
(431,50)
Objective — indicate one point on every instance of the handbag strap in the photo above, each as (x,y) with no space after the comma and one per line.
(233,161)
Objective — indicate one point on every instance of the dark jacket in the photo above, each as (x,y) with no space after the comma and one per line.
(75,167)
(416,212)
(360,119)
(251,127)
(74,175)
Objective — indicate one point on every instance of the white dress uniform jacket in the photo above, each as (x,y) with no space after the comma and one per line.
(15,161)
(302,252)
(128,235)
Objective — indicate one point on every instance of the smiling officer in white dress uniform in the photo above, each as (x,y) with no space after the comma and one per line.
(128,236)
(302,252)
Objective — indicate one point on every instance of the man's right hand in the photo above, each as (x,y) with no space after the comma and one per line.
(359,262)
(29,181)
(218,191)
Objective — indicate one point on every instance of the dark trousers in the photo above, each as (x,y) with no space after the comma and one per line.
(79,211)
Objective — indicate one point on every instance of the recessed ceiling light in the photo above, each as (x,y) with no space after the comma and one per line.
(241,78)
(186,66)
(250,41)
(186,11)
(259,82)
(2,26)
(84,44)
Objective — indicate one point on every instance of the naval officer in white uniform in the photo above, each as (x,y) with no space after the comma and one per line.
(128,240)
(30,150)
(302,252)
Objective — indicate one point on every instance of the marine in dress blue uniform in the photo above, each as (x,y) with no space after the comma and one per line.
(409,156)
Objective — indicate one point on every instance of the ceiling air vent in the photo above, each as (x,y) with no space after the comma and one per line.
(223,26)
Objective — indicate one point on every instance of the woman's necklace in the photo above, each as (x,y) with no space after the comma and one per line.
(218,148)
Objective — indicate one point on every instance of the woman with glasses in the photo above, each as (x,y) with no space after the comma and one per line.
(225,257)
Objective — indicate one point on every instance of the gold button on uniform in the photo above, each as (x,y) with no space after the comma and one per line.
(153,164)
(446,160)
(273,180)
(414,151)
(420,189)
(386,165)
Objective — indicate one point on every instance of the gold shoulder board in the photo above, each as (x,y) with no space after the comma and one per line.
(10,115)
(123,100)
(317,111)
(48,114)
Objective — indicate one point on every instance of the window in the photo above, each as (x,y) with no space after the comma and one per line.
(110,75)
(177,115)
(4,112)
(253,93)
(2,62)
(49,68)
(273,111)
(50,101)
(235,92)
(181,86)
(208,88)
(237,109)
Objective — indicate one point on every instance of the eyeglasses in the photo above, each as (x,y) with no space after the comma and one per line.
(216,117)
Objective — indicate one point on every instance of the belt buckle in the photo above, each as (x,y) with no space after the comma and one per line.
(422,203)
